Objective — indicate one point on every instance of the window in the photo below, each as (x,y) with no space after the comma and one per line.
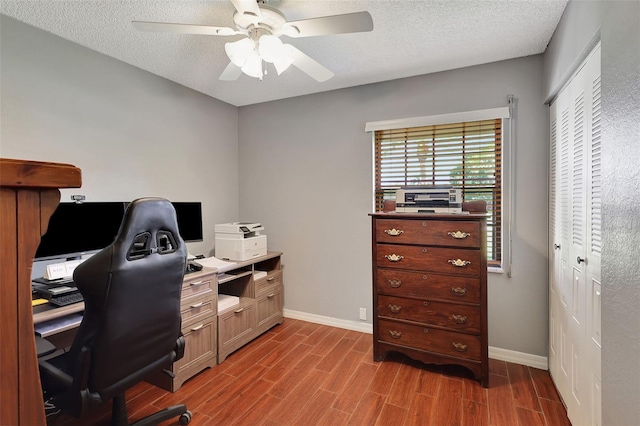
(467,155)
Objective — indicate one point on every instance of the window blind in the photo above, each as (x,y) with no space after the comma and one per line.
(467,155)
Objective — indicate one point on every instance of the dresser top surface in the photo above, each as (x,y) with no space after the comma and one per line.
(429,216)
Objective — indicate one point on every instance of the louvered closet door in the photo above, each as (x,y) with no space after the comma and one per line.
(574,234)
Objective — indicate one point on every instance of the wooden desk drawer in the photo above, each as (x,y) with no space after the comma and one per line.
(428,285)
(198,284)
(432,232)
(200,345)
(449,315)
(266,284)
(197,309)
(449,343)
(435,259)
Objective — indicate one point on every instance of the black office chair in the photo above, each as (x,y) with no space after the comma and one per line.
(131,323)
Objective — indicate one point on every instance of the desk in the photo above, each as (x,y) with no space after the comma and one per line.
(29,195)
(46,312)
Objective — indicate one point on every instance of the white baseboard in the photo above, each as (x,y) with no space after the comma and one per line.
(361,326)
(534,361)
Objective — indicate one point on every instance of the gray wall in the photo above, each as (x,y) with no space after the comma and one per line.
(618,23)
(306,173)
(132,134)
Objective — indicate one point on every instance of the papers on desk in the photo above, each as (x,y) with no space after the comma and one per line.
(57,325)
(214,262)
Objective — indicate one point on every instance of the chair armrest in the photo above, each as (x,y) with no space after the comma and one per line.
(179,349)
(55,374)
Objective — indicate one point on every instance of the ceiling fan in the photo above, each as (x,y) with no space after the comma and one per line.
(262,27)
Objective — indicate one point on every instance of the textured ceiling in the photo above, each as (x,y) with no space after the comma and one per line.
(409,38)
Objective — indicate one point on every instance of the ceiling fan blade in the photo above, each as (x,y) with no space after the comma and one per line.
(230,73)
(165,27)
(308,65)
(336,24)
(247,7)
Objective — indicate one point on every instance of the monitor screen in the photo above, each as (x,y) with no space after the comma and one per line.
(79,228)
(189,220)
(75,229)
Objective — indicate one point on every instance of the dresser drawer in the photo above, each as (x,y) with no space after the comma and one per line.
(431,232)
(197,309)
(449,315)
(267,284)
(443,342)
(197,285)
(428,286)
(434,259)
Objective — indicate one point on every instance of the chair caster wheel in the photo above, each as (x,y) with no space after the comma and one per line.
(185,418)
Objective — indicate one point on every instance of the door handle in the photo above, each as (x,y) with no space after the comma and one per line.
(580,260)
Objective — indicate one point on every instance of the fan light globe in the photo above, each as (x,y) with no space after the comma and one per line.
(239,51)
(274,51)
(253,65)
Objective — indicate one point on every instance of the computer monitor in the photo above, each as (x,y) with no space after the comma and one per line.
(75,229)
(189,215)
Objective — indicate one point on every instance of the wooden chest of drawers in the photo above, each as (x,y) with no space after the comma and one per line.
(430,289)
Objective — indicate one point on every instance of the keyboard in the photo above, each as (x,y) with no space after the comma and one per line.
(66,299)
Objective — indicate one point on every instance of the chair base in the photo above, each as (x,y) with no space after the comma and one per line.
(119,414)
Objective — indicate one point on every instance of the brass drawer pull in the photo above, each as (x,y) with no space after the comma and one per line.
(394,257)
(460,347)
(459,291)
(460,319)
(459,235)
(197,328)
(237,311)
(395,283)
(197,305)
(393,232)
(395,334)
(459,262)
(395,308)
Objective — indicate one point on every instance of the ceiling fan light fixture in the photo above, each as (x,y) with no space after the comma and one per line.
(240,51)
(253,66)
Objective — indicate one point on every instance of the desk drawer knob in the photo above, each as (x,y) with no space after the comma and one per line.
(394,257)
(460,347)
(459,291)
(395,308)
(459,262)
(394,232)
(395,283)
(459,235)
(460,319)
(395,334)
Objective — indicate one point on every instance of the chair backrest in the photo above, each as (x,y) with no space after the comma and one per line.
(131,292)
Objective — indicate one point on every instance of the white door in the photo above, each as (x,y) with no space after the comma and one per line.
(574,235)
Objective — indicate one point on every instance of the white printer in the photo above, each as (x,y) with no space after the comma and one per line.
(239,241)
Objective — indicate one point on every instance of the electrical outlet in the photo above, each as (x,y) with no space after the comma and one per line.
(363,314)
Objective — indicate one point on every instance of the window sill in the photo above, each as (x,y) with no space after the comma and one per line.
(495,270)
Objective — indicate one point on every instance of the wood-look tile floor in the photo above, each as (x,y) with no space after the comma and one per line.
(301,373)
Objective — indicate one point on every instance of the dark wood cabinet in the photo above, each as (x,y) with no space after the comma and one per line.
(430,288)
